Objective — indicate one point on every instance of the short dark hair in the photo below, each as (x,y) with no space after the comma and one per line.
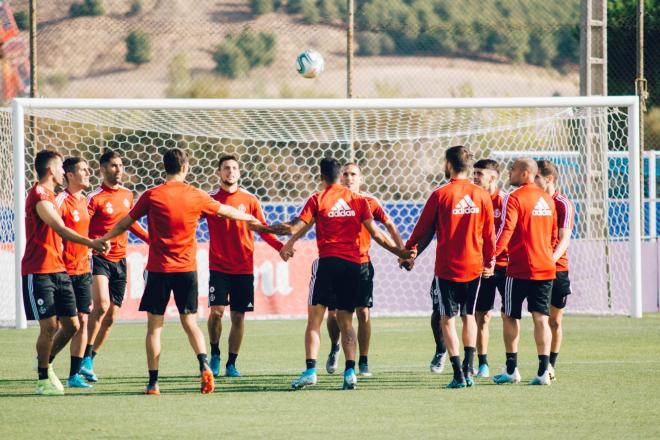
(70,164)
(42,161)
(174,159)
(459,157)
(108,155)
(225,158)
(547,168)
(488,164)
(330,169)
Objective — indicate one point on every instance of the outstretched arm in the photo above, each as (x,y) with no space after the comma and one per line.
(49,215)
(122,226)
(287,251)
(386,242)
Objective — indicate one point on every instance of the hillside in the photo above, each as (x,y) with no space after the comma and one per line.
(84,57)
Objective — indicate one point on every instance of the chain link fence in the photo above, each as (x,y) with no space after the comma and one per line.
(403,48)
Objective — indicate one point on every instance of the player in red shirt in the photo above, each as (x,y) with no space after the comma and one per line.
(528,233)
(106,206)
(352,179)
(231,263)
(486,174)
(339,215)
(561,286)
(47,291)
(461,215)
(173,210)
(72,204)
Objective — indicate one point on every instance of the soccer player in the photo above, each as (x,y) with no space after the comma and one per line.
(172,211)
(486,172)
(48,295)
(231,263)
(352,179)
(528,233)
(72,204)
(561,287)
(339,215)
(106,206)
(461,214)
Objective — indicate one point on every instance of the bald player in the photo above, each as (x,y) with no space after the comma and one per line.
(528,233)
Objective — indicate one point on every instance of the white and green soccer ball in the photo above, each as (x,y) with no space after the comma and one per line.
(309,63)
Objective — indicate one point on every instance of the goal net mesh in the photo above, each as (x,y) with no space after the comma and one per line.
(400,152)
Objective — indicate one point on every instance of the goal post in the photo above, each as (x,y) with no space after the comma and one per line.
(399,143)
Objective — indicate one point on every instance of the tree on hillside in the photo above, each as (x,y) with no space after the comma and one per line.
(138,48)
(92,8)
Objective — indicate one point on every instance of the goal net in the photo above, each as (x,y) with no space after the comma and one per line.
(399,145)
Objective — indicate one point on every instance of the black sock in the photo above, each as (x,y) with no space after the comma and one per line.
(94,354)
(215,349)
(543,364)
(469,361)
(349,365)
(334,348)
(553,358)
(310,363)
(511,362)
(75,365)
(51,359)
(43,373)
(483,359)
(153,377)
(363,360)
(440,347)
(232,359)
(456,365)
(88,350)
(203,361)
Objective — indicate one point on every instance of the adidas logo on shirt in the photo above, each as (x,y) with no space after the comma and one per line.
(542,208)
(341,209)
(465,206)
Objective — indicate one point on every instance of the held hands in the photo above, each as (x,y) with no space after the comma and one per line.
(406,264)
(407,254)
(101,246)
(489,270)
(287,252)
(255,225)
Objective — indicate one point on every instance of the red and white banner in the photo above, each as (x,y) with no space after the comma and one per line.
(281,288)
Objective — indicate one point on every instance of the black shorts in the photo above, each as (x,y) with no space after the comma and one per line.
(159,285)
(453,297)
(234,290)
(335,283)
(115,272)
(561,288)
(537,293)
(486,295)
(49,294)
(82,288)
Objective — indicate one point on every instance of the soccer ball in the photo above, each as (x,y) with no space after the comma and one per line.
(309,63)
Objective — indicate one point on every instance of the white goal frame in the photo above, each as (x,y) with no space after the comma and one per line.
(630,102)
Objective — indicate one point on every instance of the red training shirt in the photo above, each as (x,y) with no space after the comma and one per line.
(462,215)
(565,216)
(528,232)
(231,248)
(380,216)
(43,246)
(173,210)
(74,213)
(106,206)
(339,214)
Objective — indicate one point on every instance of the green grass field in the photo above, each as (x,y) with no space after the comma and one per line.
(608,386)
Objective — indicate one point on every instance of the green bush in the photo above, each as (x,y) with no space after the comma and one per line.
(136,8)
(373,43)
(258,48)
(542,48)
(91,8)
(22,20)
(260,7)
(230,60)
(329,10)
(138,48)
(310,12)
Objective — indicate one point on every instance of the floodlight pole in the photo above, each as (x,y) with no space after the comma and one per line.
(33,48)
(350,25)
